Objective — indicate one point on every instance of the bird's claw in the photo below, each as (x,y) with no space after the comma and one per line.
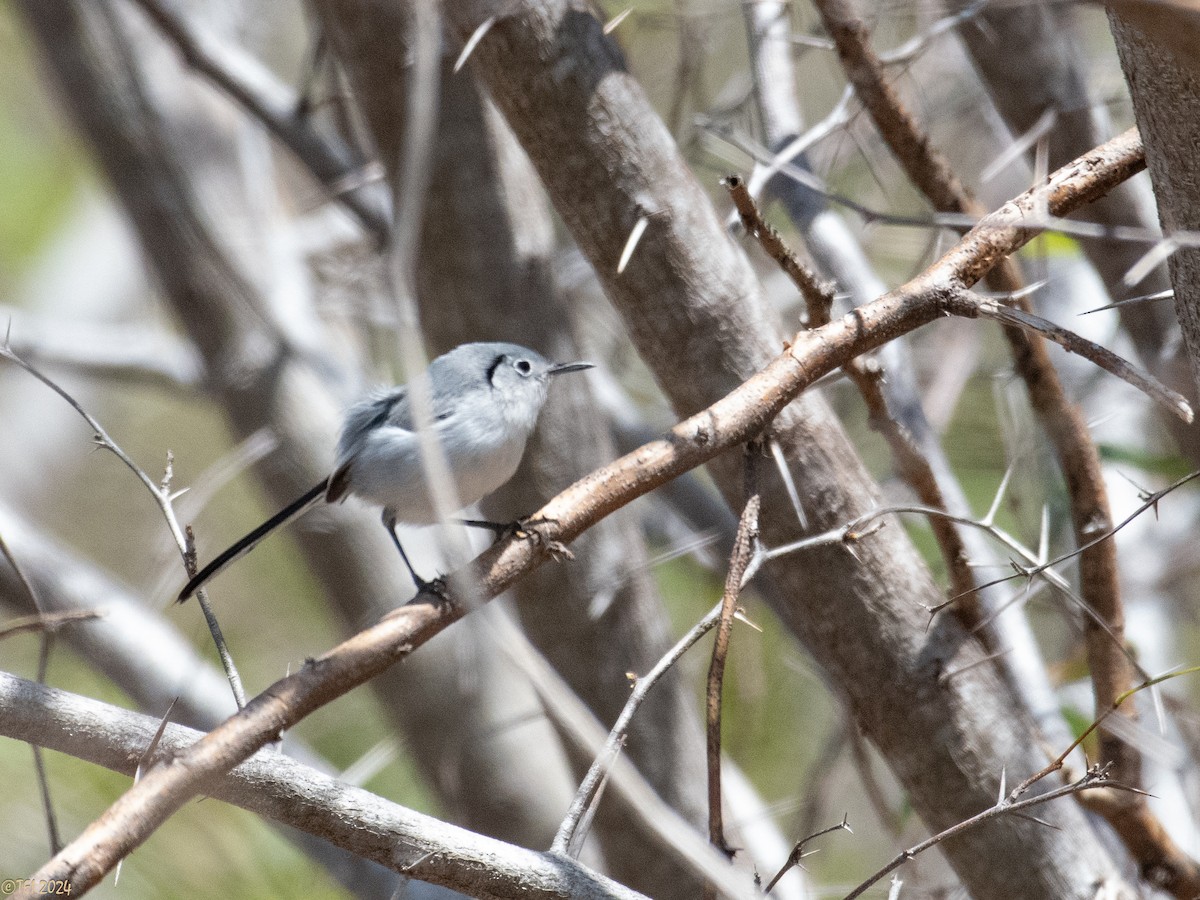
(530,529)
(437,588)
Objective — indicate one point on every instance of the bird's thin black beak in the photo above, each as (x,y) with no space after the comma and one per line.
(563,368)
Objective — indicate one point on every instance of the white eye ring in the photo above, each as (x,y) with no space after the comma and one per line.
(523,366)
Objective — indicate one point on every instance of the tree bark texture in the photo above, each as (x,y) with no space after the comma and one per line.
(1166,102)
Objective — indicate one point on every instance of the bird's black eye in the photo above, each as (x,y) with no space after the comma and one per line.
(523,366)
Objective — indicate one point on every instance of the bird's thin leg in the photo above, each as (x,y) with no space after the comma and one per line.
(437,586)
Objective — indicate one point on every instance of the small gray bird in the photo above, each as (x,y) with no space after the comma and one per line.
(486,398)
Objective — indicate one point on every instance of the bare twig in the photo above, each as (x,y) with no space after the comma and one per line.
(645,808)
(916,45)
(42,621)
(48,621)
(739,561)
(1151,502)
(1163,861)
(1172,401)
(797,853)
(817,296)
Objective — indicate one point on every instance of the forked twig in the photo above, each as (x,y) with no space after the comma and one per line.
(1095,777)
(797,853)
(570,833)
(48,621)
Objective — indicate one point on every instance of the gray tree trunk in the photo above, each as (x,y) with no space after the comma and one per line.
(1166,102)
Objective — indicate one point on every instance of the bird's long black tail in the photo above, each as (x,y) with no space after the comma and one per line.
(293,510)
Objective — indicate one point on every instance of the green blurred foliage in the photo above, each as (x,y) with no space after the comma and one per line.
(41,165)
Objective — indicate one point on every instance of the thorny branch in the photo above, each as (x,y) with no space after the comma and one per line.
(911,463)
(1062,421)
(817,296)
(797,853)
(732,420)
(1095,777)
(1150,501)
(1033,566)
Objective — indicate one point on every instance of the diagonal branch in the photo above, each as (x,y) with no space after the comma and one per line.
(163,497)
(1014,317)
(278,787)
(250,84)
(1094,778)
(572,830)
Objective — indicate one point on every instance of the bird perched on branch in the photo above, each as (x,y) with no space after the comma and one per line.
(485,400)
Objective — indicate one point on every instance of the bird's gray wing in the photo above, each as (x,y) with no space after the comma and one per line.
(388,407)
